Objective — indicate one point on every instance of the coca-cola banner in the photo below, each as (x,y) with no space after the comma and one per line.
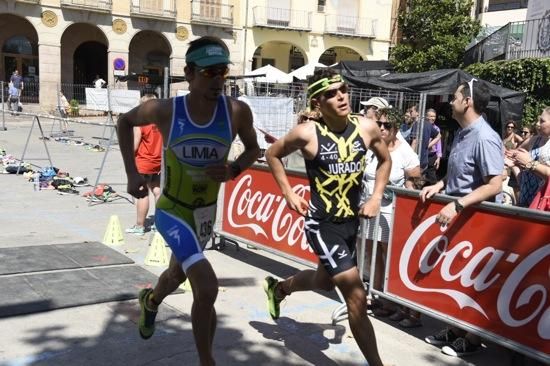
(489,270)
(255,210)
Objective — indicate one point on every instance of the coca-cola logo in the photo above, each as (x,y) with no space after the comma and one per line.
(481,271)
(266,214)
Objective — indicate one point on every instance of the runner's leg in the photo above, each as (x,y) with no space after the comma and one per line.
(205,290)
(306,280)
(168,282)
(351,287)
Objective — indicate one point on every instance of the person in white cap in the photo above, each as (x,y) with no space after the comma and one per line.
(372,105)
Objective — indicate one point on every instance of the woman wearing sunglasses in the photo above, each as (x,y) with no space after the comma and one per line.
(527,159)
(334,150)
(527,132)
(405,169)
(511,139)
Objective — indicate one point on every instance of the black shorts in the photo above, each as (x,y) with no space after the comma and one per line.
(334,243)
(151,178)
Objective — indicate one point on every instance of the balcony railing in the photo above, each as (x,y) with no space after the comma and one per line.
(513,41)
(102,6)
(154,9)
(203,12)
(299,20)
(343,25)
(29,1)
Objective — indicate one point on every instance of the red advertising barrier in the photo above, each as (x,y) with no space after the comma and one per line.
(489,270)
(255,210)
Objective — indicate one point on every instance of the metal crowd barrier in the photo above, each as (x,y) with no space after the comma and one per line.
(486,273)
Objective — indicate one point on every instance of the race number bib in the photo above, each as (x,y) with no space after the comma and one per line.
(204,222)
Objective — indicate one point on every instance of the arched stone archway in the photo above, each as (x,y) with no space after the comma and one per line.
(336,54)
(86,65)
(149,54)
(83,54)
(19,51)
(283,55)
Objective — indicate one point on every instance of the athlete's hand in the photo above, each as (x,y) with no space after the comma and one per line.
(370,209)
(137,186)
(296,203)
(219,172)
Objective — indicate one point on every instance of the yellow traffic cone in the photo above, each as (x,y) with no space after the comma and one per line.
(157,254)
(113,234)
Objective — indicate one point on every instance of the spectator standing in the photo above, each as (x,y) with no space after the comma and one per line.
(99,82)
(372,105)
(527,132)
(474,175)
(423,136)
(17,81)
(13,99)
(511,139)
(413,119)
(405,168)
(536,150)
(434,150)
(148,154)
(405,129)
(64,106)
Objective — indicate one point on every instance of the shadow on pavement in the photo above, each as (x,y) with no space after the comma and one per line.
(291,334)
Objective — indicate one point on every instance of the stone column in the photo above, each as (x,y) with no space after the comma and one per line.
(49,66)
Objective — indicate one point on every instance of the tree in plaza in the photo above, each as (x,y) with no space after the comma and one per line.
(434,34)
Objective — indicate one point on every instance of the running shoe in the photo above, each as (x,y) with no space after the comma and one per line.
(461,347)
(147,317)
(136,230)
(272,302)
(443,338)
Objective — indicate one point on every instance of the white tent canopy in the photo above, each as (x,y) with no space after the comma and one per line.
(272,75)
(303,72)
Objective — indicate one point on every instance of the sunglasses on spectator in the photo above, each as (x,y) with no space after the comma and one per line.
(524,132)
(212,72)
(387,125)
(332,92)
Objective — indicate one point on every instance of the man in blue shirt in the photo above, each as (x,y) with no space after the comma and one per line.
(423,136)
(474,174)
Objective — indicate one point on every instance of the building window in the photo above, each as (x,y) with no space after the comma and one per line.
(321,6)
(19,45)
(500,5)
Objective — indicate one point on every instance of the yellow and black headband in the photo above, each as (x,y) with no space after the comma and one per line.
(322,85)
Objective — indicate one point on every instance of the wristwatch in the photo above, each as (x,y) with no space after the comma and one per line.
(458,206)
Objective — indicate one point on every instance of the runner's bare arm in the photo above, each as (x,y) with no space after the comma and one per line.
(156,111)
(297,138)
